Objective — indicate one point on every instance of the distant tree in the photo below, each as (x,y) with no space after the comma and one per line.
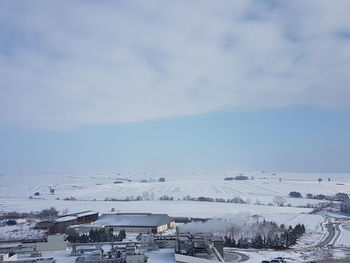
(309,196)
(295,194)
(36,193)
(329,179)
(341,197)
(161,179)
(236,200)
(48,213)
(241,177)
(228,178)
(52,191)
(279,200)
(319,180)
(220,200)
(320,197)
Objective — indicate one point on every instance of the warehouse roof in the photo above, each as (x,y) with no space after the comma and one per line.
(66,218)
(83,213)
(133,220)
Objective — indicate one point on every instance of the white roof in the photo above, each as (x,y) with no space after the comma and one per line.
(133,220)
(66,218)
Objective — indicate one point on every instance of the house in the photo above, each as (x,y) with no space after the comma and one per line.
(345,207)
(132,222)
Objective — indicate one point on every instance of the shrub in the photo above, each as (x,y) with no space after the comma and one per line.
(241,177)
(70,199)
(341,197)
(48,213)
(228,178)
(320,197)
(295,194)
(309,196)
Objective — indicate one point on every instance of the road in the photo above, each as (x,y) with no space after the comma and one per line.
(232,256)
(331,233)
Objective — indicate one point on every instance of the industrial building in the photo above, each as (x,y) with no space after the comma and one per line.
(60,224)
(132,222)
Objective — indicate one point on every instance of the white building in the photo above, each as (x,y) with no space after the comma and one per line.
(8,257)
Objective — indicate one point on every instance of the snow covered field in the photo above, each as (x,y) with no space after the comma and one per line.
(263,187)
(91,190)
(258,193)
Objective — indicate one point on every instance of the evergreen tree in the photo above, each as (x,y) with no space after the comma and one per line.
(121,235)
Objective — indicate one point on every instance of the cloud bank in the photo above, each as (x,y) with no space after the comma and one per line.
(64,64)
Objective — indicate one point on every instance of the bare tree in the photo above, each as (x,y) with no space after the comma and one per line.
(52,191)
(279,200)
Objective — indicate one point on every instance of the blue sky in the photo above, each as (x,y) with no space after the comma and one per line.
(90,86)
(295,139)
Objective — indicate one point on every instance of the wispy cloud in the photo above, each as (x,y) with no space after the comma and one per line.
(64,64)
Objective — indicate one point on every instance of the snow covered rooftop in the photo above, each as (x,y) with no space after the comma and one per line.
(134,220)
(83,213)
(65,218)
(87,213)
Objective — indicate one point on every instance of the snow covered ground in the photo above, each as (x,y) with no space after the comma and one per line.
(161,256)
(344,238)
(90,191)
(24,231)
(15,192)
(263,187)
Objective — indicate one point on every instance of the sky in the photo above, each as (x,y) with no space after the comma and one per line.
(89,86)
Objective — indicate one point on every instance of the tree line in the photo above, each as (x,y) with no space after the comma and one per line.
(97,235)
(278,238)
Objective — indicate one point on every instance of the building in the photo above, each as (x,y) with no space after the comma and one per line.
(61,224)
(8,256)
(132,222)
(85,217)
(99,257)
(44,225)
(345,207)
(53,243)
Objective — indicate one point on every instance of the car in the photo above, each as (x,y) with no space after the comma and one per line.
(281,259)
(265,261)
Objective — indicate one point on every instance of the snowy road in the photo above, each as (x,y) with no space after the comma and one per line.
(333,232)
(233,256)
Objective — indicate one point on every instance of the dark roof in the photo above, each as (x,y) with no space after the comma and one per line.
(133,220)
